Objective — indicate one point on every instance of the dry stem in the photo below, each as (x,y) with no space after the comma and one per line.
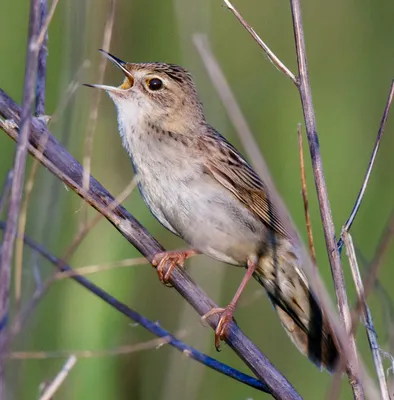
(93,115)
(18,178)
(152,327)
(270,54)
(53,387)
(322,195)
(367,317)
(360,195)
(305,197)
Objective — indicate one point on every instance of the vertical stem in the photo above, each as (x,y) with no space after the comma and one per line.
(322,194)
(18,179)
(42,64)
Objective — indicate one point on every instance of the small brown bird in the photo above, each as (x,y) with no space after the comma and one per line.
(202,189)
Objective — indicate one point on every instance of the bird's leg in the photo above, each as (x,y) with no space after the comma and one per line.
(227,313)
(173,258)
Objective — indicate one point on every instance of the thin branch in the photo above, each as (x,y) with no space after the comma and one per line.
(53,387)
(23,219)
(93,269)
(18,176)
(40,111)
(371,277)
(21,230)
(360,195)
(305,197)
(152,327)
(270,54)
(373,266)
(117,351)
(68,170)
(367,317)
(93,115)
(45,24)
(322,194)
(42,64)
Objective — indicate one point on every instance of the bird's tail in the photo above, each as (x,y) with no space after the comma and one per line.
(298,309)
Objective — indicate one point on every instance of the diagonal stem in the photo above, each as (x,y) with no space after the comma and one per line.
(270,54)
(69,171)
(152,327)
(360,195)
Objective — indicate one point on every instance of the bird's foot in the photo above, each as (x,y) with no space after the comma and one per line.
(225,320)
(165,262)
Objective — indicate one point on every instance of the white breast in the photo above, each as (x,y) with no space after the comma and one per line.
(183,197)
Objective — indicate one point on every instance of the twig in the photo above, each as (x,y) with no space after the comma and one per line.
(59,379)
(68,170)
(121,350)
(367,317)
(93,269)
(305,197)
(322,195)
(144,322)
(21,230)
(23,219)
(373,266)
(42,64)
(360,195)
(18,176)
(271,56)
(371,277)
(45,24)
(92,120)
(40,111)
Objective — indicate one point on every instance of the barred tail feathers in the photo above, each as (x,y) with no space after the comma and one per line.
(298,309)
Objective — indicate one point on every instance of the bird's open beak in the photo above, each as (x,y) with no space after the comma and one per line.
(120,64)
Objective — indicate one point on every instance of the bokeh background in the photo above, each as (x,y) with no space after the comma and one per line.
(351,61)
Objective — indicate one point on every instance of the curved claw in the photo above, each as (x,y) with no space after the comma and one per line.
(172,259)
(225,319)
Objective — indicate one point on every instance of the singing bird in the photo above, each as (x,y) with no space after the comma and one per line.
(203,190)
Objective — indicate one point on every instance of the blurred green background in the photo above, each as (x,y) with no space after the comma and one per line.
(351,61)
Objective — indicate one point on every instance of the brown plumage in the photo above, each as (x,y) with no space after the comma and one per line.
(202,189)
(278,267)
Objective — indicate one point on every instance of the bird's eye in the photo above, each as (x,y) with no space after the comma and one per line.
(155,84)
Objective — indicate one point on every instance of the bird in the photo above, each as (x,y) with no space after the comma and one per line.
(203,190)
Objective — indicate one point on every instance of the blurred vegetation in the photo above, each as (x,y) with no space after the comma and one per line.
(351,63)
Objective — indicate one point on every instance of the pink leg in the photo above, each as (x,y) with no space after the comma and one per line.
(227,313)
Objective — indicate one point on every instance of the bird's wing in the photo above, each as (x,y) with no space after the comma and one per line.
(231,170)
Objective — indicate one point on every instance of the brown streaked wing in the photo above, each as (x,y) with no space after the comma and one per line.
(230,169)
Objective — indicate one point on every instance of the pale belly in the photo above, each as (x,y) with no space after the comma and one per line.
(206,215)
